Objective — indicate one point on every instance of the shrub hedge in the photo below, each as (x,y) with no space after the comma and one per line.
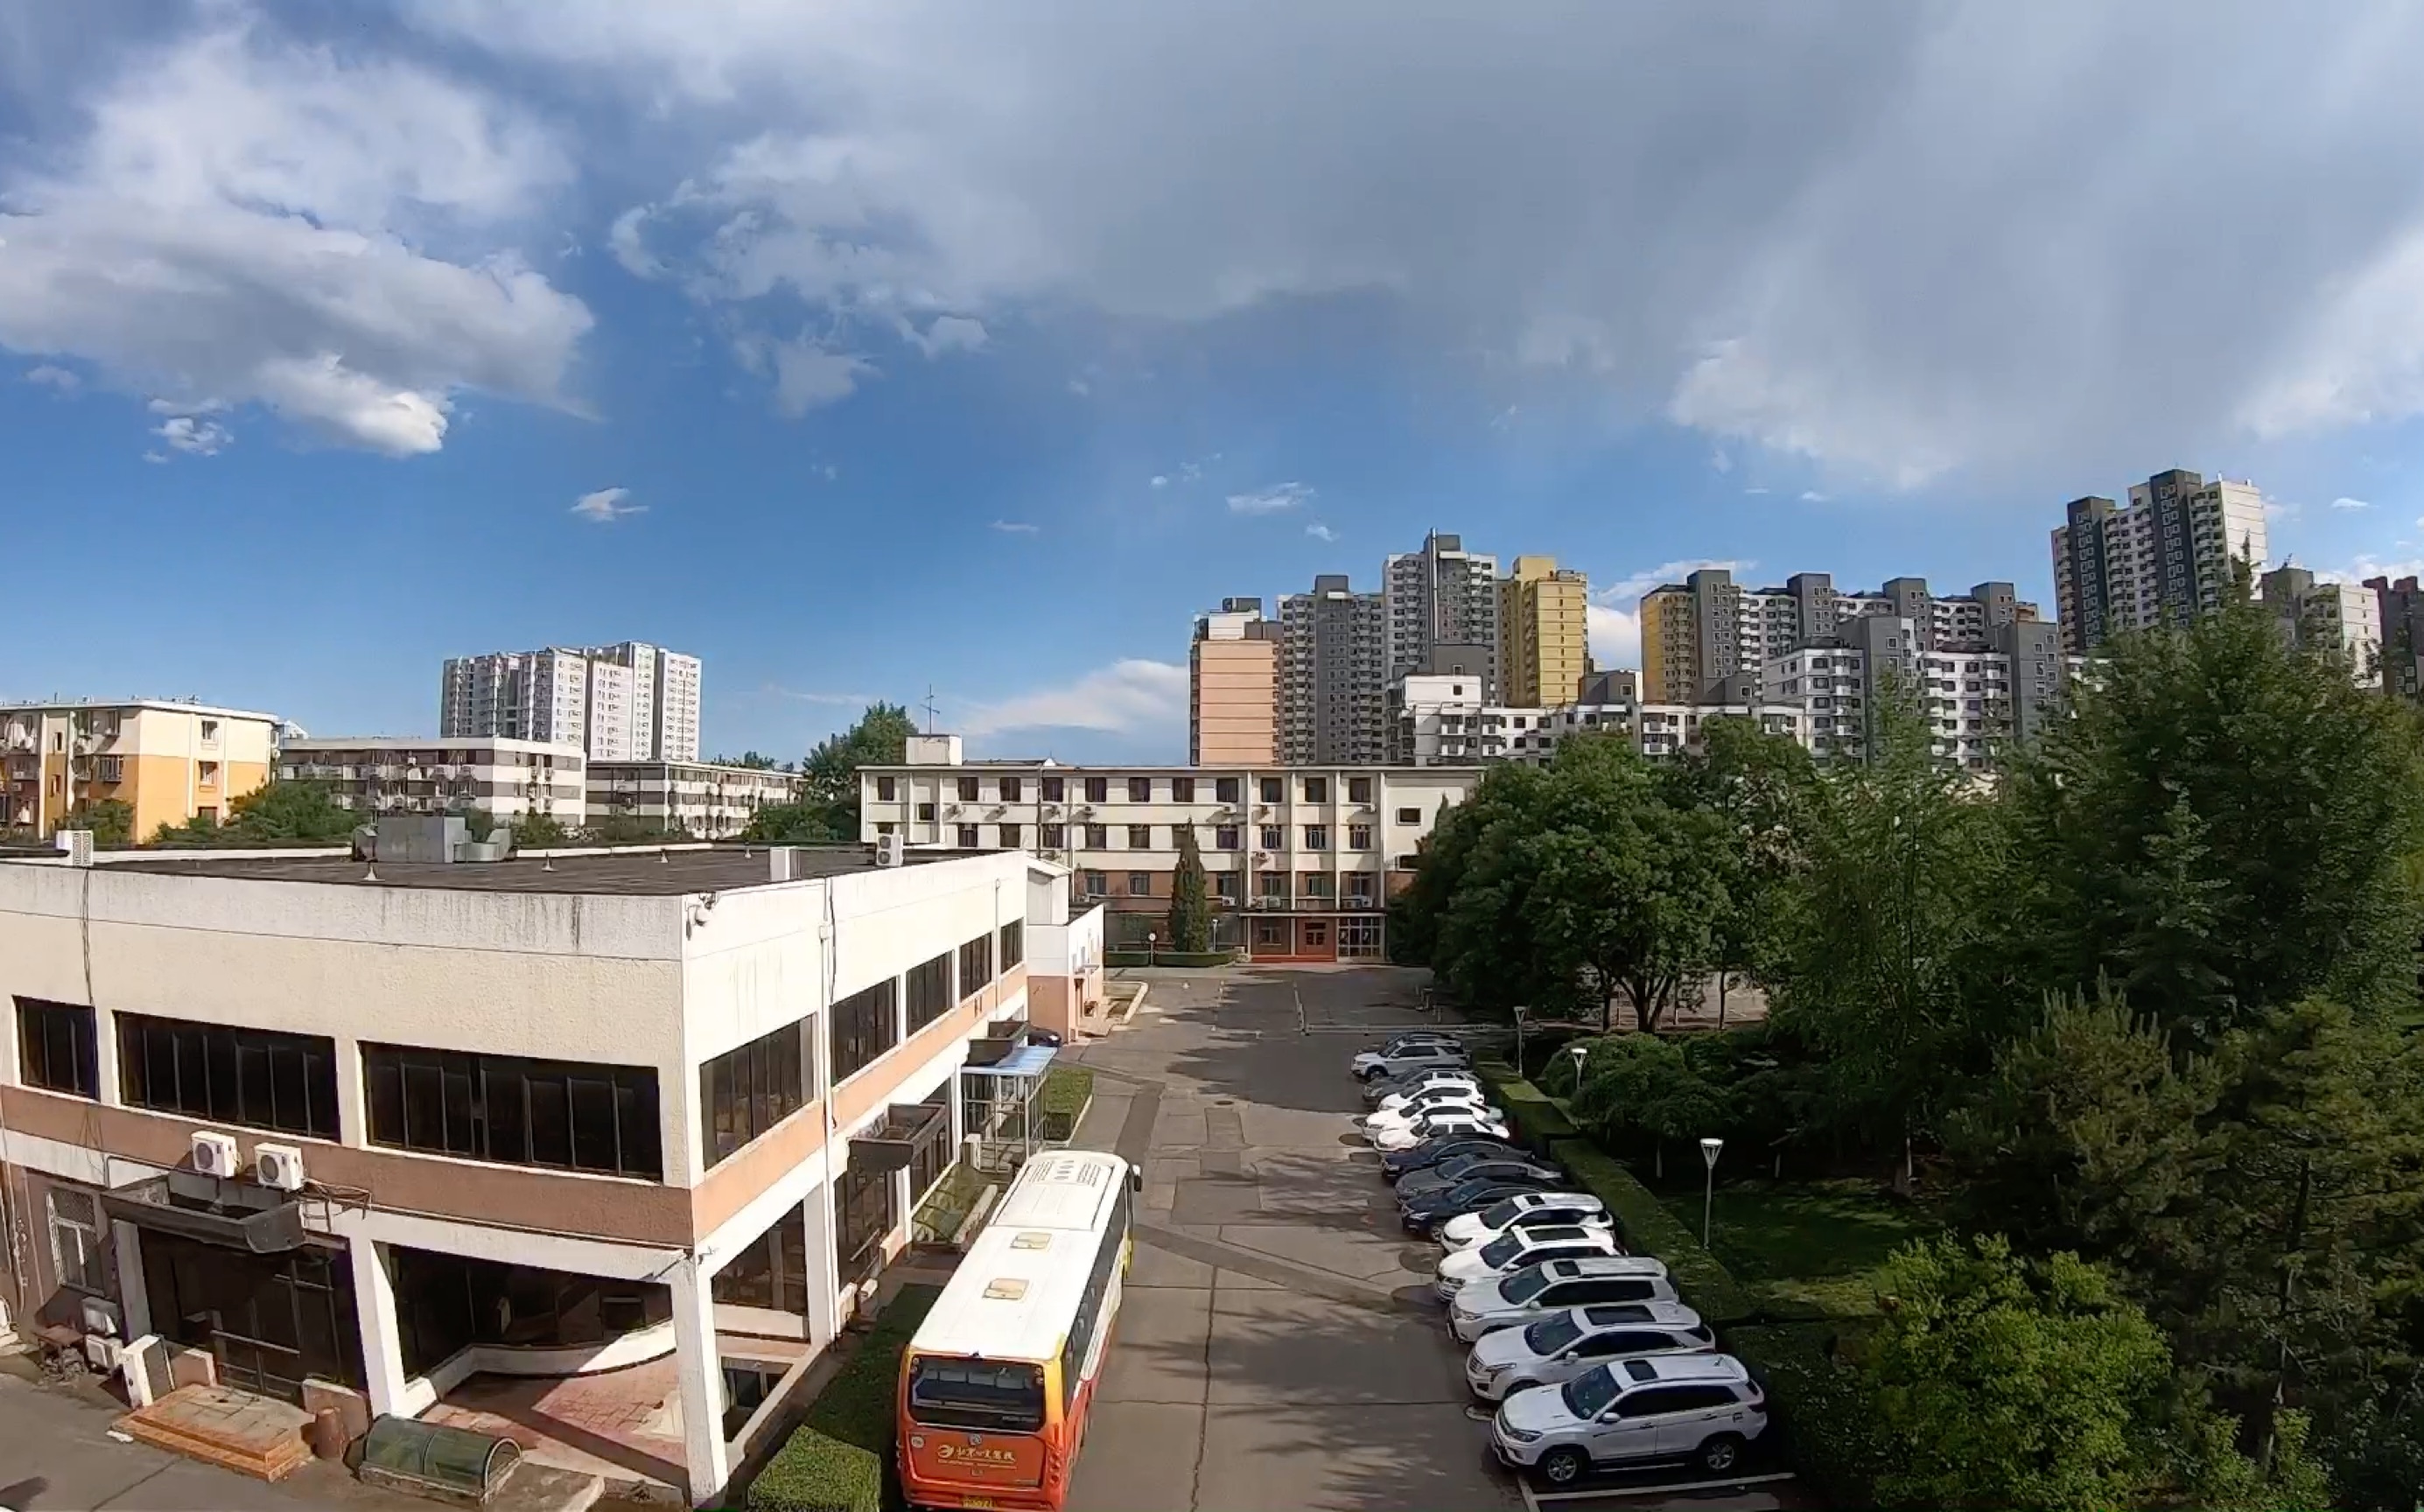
(1816,1402)
(1650,1229)
(1533,1115)
(839,1458)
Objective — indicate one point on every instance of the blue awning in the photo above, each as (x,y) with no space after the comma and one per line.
(1027,1061)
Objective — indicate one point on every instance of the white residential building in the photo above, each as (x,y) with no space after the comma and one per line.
(417,774)
(1971,700)
(527,1118)
(2344,616)
(1441,596)
(2167,556)
(700,799)
(1442,721)
(627,702)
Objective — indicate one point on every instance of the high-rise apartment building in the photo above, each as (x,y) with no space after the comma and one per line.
(1543,633)
(2165,557)
(2400,607)
(1232,677)
(1705,639)
(1440,595)
(2338,617)
(627,702)
(1333,684)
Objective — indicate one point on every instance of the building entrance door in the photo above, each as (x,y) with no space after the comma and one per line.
(270,1321)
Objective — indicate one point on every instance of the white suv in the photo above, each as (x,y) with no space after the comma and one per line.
(1697,1409)
(1556,1350)
(1538,1290)
(1397,1060)
(1524,1210)
(1517,1248)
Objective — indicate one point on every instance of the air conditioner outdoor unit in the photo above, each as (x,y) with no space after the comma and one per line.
(889,849)
(279,1165)
(101,1352)
(99,1315)
(215,1155)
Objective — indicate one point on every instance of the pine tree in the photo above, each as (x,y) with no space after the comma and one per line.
(1190,907)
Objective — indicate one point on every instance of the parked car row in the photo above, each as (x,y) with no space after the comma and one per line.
(1593,1359)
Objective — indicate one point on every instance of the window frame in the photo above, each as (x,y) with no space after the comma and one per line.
(40,1021)
(1140,836)
(148,1044)
(92,1275)
(929,990)
(865,1024)
(769,1097)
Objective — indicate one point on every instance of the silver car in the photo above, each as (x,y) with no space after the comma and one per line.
(1557,1349)
(1538,1290)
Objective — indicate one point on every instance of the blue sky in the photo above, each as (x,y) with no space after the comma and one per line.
(910,345)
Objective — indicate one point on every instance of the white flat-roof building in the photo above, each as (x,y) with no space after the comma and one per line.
(421,775)
(700,799)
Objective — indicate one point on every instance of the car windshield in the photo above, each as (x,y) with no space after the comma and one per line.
(1549,1335)
(1501,1214)
(1588,1394)
(1502,1250)
(1470,1192)
(1524,1285)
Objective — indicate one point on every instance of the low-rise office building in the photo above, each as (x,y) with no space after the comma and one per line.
(1302,859)
(1440,720)
(336,1129)
(446,774)
(700,799)
(168,762)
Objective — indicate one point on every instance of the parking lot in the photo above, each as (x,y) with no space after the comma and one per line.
(1279,1345)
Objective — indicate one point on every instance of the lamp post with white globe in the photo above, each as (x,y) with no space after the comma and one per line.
(1709,1150)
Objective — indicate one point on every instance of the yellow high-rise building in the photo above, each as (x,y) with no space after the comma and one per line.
(168,761)
(1670,646)
(1543,633)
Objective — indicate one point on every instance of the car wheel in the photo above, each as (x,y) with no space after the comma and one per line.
(1563,1466)
(1512,1386)
(1720,1455)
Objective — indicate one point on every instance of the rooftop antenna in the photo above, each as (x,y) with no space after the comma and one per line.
(928,706)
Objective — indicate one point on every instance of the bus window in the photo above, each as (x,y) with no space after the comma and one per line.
(1006,1397)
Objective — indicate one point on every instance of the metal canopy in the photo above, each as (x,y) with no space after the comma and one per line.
(892,1142)
(1028,1060)
(231,1214)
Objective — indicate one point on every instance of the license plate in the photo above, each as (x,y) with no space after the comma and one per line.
(981,1504)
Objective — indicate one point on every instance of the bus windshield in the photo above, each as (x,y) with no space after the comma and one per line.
(1003,1395)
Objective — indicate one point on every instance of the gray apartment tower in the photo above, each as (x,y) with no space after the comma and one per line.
(1441,594)
(2165,557)
(1332,682)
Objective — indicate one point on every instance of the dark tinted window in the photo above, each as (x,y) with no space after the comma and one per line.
(56,1046)
(772,1271)
(1224,790)
(1610,1289)
(930,991)
(976,1393)
(976,963)
(1013,943)
(865,1025)
(744,1092)
(222,1074)
(518,1112)
(1654,1400)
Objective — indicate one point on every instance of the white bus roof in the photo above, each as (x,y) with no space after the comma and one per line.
(1016,1291)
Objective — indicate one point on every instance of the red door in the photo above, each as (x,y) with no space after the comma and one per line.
(1316,940)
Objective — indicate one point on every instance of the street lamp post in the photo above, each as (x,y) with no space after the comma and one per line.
(1709,1150)
(1149,938)
(1521,1014)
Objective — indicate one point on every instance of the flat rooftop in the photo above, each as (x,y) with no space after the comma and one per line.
(643,873)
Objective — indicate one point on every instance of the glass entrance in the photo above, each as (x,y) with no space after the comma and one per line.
(269,1320)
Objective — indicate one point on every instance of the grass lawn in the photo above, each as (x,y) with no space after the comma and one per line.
(1807,1249)
(1061,1099)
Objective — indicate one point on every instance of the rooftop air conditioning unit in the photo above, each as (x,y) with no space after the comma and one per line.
(889,849)
(99,1315)
(278,1166)
(213,1155)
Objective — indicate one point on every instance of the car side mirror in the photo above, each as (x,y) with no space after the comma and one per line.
(1135,1178)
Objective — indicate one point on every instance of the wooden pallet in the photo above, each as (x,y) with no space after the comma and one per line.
(222,1428)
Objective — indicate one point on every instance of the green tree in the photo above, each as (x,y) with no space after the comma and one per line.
(1191,905)
(753,759)
(827,813)
(2224,825)
(1637,1089)
(289,812)
(540,832)
(1996,1381)
(1473,886)
(1758,787)
(111,820)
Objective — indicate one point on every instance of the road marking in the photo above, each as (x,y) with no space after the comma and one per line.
(1534,1500)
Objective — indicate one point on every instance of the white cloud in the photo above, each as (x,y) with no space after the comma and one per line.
(796,695)
(50,376)
(1811,496)
(1719,462)
(1160,481)
(606,506)
(946,333)
(807,374)
(1320,532)
(1628,590)
(1615,635)
(1080,388)
(1017,527)
(1754,490)
(1270,500)
(193,435)
(1129,696)
(250,221)
(2346,503)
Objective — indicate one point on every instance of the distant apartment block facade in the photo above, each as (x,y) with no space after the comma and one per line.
(1972,701)
(626,702)
(1443,721)
(1543,633)
(169,762)
(2344,618)
(2167,556)
(702,800)
(1302,859)
(2400,607)
(1334,683)
(417,774)
(1706,639)
(1233,675)
(1441,594)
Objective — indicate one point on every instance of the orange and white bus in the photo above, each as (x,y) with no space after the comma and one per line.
(996,1385)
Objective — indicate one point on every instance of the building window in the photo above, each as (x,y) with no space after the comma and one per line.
(56,1048)
(1313,884)
(1053,836)
(1273,836)
(864,1026)
(1098,836)
(1362,888)
(1010,789)
(887,789)
(571,1114)
(1140,836)
(863,1215)
(1010,837)
(1272,887)
(78,1256)
(930,991)
(744,1092)
(1139,789)
(1274,790)
(1224,885)
(1359,939)
(976,963)
(1226,838)
(1097,884)
(1271,934)
(967,790)
(1316,836)
(1054,788)
(1408,863)
(1182,789)
(1224,790)
(1139,884)
(1358,837)
(1316,790)
(1098,790)
(1409,815)
(218,1074)
(1359,790)
(771,1272)
(1013,937)
(925,813)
